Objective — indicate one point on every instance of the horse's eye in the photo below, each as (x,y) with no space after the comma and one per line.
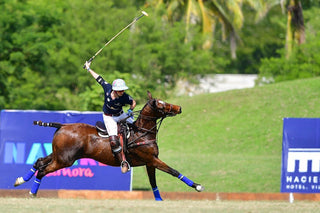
(155,103)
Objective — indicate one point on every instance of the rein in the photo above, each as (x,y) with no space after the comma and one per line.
(148,131)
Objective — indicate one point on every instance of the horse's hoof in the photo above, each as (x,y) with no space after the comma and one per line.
(199,188)
(19,181)
(31,195)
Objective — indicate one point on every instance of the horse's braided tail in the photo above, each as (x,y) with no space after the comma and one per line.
(48,124)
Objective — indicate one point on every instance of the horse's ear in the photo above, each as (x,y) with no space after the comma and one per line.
(149,95)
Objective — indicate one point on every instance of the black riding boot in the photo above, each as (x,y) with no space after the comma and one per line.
(116,149)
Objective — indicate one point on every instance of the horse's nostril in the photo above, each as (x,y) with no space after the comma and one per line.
(180,110)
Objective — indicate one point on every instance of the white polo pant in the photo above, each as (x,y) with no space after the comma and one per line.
(111,122)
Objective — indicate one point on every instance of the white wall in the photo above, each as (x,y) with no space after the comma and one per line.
(216,83)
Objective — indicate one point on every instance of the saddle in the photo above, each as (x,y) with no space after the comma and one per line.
(124,129)
(101,129)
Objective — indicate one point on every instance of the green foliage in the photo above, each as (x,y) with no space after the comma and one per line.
(45,43)
(26,39)
(50,40)
(305,59)
(259,40)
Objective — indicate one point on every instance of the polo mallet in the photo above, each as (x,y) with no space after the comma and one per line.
(106,44)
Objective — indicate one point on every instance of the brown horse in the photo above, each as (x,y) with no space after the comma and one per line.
(74,141)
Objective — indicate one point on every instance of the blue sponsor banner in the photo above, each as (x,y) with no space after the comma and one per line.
(301,155)
(22,143)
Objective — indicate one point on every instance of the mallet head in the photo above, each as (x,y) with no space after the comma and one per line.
(144,13)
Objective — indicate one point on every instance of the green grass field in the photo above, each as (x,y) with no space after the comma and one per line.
(231,141)
(20,205)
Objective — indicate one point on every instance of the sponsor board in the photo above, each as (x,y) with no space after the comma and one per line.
(301,155)
(22,143)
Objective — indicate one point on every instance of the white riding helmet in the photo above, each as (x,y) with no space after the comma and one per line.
(119,84)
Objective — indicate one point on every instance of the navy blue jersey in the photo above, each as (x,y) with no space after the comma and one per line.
(113,106)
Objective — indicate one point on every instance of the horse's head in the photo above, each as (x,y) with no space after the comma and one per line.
(161,108)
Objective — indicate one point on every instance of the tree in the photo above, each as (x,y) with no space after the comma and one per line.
(207,14)
(304,59)
(295,26)
(295,32)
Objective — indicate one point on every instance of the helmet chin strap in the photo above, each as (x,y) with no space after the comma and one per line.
(115,93)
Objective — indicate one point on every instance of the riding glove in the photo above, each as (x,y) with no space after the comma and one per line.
(130,113)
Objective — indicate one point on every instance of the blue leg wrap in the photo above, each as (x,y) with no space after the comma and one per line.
(29,175)
(156,194)
(185,179)
(35,186)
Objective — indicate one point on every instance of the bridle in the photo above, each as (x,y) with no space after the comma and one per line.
(155,118)
(156,127)
(164,114)
(157,110)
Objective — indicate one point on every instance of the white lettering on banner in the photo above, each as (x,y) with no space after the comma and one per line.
(296,186)
(313,187)
(302,179)
(303,156)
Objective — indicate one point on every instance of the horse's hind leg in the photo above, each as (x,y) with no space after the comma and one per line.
(52,166)
(165,168)
(152,179)
(39,163)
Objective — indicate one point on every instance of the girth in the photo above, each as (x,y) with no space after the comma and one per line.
(131,144)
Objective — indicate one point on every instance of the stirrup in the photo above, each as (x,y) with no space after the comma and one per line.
(122,166)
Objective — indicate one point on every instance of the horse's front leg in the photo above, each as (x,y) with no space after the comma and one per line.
(152,179)
(165,168)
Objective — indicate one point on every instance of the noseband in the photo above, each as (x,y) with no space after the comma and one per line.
(157,125)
